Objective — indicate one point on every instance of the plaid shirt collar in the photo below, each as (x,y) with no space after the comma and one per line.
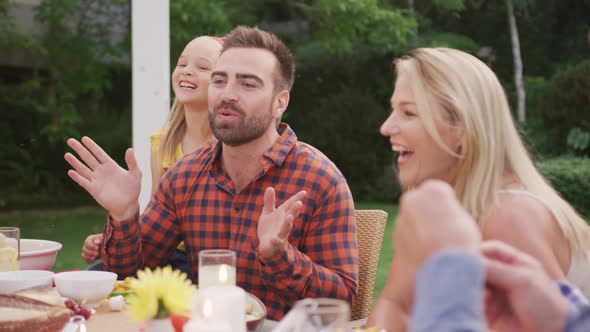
(277,152)
(275,155)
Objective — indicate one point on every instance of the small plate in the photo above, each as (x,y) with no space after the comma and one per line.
(256,315)
(123,293)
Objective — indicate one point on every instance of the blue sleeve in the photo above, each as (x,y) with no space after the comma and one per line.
(579,310)
(579,321)
(449,294)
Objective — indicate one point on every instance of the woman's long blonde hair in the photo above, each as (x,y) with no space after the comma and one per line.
(491,147)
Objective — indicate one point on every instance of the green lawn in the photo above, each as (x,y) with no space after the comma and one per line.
(70,227)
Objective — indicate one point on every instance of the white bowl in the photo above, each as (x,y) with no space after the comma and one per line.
(38,254)
(88,287)
(14,281)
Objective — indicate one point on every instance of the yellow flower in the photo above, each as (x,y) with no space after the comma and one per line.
(159,293)
(142,307)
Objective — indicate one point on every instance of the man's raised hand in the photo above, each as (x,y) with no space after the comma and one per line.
(274,225)
(113,187)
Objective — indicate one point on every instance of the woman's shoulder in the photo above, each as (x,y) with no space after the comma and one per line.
(525,222)
(518,209)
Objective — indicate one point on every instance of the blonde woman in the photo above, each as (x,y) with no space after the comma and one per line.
(451,121)
(186,130)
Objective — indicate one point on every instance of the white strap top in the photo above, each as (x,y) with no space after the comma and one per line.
(579,271)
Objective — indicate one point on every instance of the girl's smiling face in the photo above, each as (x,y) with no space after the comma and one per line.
(192,74)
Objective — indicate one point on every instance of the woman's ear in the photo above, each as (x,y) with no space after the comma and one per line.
(457,133)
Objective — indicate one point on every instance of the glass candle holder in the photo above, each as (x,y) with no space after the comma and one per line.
(9,248)
(217,267)
(322,315)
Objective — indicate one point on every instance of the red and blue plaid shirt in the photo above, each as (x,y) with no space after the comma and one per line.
(196,202)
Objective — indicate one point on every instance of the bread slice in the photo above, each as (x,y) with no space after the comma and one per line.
(23,314)
(48,295)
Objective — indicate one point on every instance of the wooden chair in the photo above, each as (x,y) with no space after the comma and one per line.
(370,226)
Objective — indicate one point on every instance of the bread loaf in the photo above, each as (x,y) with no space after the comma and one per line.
(22,314)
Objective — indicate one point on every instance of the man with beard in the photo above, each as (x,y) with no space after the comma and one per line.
(224,196)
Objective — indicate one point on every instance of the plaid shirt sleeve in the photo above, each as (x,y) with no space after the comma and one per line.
(329,266)
(148,240)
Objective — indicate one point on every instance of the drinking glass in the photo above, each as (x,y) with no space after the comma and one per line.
(322,315)
(217,267)
(9,248)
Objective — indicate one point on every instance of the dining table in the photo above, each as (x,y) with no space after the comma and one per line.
(103,319)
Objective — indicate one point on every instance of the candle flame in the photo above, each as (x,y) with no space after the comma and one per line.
(207,309)
(223,273)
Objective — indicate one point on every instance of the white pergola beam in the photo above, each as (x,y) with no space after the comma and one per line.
(151,79)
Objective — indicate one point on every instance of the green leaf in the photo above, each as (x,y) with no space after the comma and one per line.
(448,39)
(449,5)
(578,140)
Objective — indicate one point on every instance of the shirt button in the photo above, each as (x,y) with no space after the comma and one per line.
(237,210)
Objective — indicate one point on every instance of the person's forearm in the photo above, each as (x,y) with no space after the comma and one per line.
(389,315)
(121,250)
(296,276)
(324,260)
(449,294)
(129,212)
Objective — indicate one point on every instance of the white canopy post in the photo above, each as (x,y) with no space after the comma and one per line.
(151,80)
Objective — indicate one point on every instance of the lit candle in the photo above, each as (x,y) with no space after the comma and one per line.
(206,323)
(217,275)
(224,304)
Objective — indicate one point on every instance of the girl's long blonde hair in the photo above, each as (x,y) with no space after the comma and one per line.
(173,132)
(175,127)
(491,147)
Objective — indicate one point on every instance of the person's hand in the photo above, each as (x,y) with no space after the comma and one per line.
(520,296)
(430,220)
(113,187)
(91,248)
(274,224)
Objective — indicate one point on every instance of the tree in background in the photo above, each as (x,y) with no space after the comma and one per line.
(518,81)
(343,50)
(66,80)
(458,40)
(516,54)
(342,25)
(191,18)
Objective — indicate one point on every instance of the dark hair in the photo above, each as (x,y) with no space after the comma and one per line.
(247,37)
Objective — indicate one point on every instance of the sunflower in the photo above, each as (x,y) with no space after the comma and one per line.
(159,293)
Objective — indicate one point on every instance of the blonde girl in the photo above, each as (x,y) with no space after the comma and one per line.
(186,130)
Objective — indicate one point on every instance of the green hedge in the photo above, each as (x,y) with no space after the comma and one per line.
(571,177)
(565,104)
(338,105)
(33,172)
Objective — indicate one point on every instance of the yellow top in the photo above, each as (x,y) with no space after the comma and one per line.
(155,140)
